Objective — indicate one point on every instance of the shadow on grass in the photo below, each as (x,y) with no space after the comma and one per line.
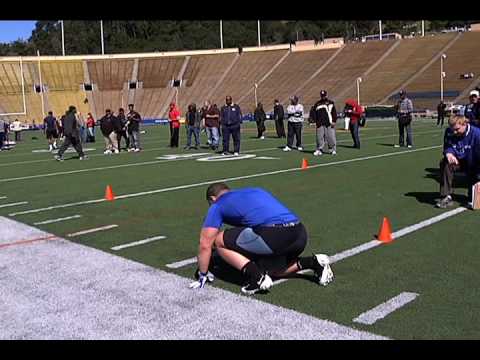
(384,144)
(431,198)
(460,180)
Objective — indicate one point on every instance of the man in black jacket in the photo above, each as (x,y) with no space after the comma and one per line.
(71,132)
(230,119)
(279,115)
(121,124)
(108,126)
(441,112)
(325,117)
(260,117)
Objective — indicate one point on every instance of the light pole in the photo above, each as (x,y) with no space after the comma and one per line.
(359,80)
(255,86)
(63,39)
(258,26)
(380,28)
(221,35)
(101,35)
(442,75)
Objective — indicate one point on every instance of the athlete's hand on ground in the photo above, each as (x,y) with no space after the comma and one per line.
(202,279)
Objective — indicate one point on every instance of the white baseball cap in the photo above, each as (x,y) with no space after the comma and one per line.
(475,93)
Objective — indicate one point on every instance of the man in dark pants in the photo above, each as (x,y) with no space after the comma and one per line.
(122,129)
(279,115)
(71,132)
(230,119)
(441,112)
(354,111)
(267,238)
(260,117)
(461,150)
(404,109)
(295,118)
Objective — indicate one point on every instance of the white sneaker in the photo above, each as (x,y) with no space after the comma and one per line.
(317,153)
(136,150)
(107,152)
(116,151)
(409,146)
(300,148)
(286,148)
(262,137)
(396,145)
(327,273)
(236,154)
(334,152)
(130,150)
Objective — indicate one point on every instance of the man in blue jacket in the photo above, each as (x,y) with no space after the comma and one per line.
(265,232)
(461,150)
(230,119)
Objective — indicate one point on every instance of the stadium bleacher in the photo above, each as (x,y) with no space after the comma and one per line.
(279,71)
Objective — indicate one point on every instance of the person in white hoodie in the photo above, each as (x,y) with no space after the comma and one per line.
(295,124)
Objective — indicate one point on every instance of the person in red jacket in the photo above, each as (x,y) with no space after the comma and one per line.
(354,111)
(174,119)
(90,128)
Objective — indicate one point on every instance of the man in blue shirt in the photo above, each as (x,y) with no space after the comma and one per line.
(264,230)
(461,149)
(230,119)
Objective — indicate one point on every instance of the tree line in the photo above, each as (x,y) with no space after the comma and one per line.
(83,37)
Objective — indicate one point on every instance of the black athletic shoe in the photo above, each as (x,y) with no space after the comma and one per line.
(263,283)
(58,158)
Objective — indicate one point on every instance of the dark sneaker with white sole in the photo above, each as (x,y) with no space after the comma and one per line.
(58,158)
(264,283)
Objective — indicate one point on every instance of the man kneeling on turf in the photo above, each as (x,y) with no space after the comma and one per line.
(264,230)
(461,149)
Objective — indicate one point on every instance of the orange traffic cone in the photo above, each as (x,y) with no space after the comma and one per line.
(304,164)
(385,233)
(109,195)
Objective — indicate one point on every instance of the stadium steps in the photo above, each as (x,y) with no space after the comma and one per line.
(171,96)
(409,84)
(221,80)
(202,75)
(404,61)
(460,60)
(351,89)
(250,67)
(259,82)
(353,60)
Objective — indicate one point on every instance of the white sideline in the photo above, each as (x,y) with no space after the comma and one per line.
(379,312)
(57,220)
(374,243)
(182,263)
(226,179)
(135,243)
(161,161)
(83,232)
(13,204)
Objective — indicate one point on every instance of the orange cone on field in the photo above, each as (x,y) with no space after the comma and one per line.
(385,233)
(109,195)
(304,164)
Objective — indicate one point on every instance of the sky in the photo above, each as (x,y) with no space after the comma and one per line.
(13,30)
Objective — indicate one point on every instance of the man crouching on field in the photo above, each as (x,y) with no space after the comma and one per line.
(461,150)
(263,230)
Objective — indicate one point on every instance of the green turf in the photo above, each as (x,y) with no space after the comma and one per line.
(342,206)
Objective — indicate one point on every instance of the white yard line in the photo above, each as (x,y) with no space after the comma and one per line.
(379,312)
(57,220)
(182,263)
(2,197)
(160,161)
(188,186)
(135,243)
(374,243)
(13,204)
(83,232)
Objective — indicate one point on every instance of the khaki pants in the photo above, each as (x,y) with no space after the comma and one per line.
(111,141)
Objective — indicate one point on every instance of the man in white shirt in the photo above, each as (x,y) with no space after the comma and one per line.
(295,124)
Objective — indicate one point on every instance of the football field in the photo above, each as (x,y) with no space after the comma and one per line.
(423,285)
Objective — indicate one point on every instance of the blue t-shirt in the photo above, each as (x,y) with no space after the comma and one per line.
(248,207)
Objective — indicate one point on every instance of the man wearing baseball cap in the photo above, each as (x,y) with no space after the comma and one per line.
(472,109)
(324,115)
(404,110)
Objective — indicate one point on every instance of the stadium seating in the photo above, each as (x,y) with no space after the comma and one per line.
(404,61)
(384,66)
